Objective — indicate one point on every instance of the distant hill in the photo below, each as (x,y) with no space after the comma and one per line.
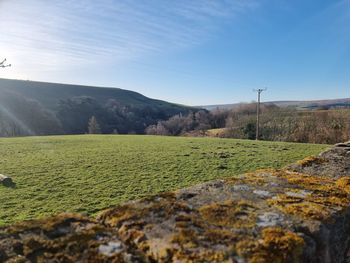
(31,107)
(49,94)
(310,104)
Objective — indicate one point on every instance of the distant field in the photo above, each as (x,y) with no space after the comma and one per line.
(88,173)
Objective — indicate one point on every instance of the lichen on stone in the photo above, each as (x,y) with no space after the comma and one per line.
(323,195)
(344,183)
(298,214)
(308,161)
(229,213)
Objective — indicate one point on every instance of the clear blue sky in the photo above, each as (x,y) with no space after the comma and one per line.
(192,52)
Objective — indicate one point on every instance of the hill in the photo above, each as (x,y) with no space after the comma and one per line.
(69,107)
(86,173)
(308,104)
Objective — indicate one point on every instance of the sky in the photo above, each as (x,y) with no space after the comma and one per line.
(198,52)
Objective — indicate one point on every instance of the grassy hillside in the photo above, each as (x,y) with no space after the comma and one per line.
(88,173)
(39,108)
(49,94)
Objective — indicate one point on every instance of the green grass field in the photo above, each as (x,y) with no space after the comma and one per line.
(88,173)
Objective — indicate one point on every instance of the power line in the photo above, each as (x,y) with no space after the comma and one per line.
(258,91)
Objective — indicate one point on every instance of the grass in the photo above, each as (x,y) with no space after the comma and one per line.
(88,173)
(216,132)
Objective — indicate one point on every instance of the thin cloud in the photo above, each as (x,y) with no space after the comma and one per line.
(50,34)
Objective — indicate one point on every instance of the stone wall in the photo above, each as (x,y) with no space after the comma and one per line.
(297,214)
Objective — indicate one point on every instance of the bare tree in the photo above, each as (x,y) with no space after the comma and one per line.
(4,65)
(93,126)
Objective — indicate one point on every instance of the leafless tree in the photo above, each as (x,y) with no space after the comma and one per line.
(4,65)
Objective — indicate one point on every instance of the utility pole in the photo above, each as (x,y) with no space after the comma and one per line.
(3,65)
(258,91)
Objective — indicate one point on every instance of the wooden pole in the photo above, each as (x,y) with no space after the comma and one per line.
(257,134)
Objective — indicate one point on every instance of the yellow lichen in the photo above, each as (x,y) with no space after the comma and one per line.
(282,244)
(220,236)
(304,209)
(315,196)
(229,213)
(309,182)
(324,195)
(247,247)
(344,183)
(308,161)
(208,255)
(186,237)
(163,205)
(63,238)
(116,216)
(276,245)
(48,224)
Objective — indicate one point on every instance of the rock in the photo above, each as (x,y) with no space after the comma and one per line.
(6,181)
(111,248)
(343,145)
(334,162)
(262,193)
(241,187)
(297,214)
(298,193)
(83,240)
(269,219)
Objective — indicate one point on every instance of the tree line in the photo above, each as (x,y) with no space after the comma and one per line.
(277,124)
(20,116)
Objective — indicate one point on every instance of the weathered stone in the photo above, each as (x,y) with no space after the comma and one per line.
(343,145)
(111,249)
(297,214)
(6,181)
(334,162)
(241,187)
(269,219)
(262,193)
(298,193)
